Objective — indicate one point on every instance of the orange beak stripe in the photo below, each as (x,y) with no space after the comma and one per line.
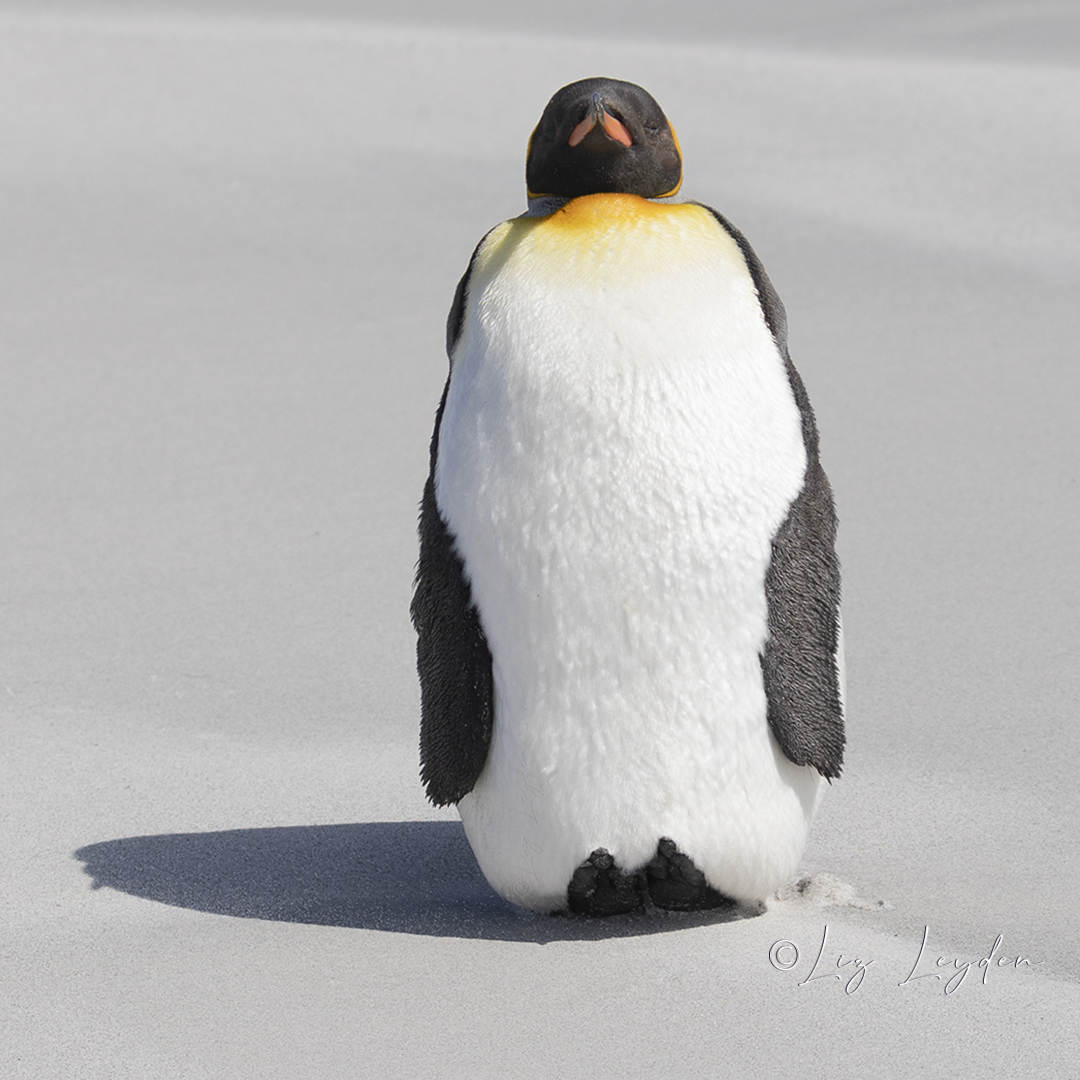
(581,130)
(614,129)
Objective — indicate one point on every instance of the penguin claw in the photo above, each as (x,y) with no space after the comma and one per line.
(675,883)
(599,887)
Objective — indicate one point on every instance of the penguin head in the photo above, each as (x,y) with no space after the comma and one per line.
(603,135)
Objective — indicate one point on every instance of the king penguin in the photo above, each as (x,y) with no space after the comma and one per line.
(627,597)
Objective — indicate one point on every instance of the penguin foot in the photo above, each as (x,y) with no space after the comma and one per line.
(674,882)
(599,887)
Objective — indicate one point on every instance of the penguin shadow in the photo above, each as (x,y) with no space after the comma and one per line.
(406,877)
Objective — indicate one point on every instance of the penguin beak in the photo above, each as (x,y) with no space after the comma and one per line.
(598,116)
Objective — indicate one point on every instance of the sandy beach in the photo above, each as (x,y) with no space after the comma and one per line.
(231,234)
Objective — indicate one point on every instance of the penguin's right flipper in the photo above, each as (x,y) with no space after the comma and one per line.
(452,658)
(801,659)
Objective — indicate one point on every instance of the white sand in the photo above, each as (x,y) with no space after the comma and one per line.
(229,240)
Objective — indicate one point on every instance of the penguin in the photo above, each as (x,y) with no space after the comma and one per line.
(627,599)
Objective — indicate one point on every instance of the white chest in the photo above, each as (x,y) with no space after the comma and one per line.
(619,433)
(619,445)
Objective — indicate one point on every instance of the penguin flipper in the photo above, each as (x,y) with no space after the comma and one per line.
(802,585)
(799,662)
(453,659)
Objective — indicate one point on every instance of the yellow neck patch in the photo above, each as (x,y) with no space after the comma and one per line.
(608,210)
(603,238)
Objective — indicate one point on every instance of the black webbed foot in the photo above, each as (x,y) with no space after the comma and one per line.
(674,882)
(599,887)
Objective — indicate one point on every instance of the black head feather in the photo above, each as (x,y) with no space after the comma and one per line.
(603,135)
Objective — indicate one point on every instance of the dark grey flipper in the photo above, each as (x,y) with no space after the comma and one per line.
(802,585)
(452,654)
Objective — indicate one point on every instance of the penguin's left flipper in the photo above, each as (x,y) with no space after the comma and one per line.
(800,662)
(452,658)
